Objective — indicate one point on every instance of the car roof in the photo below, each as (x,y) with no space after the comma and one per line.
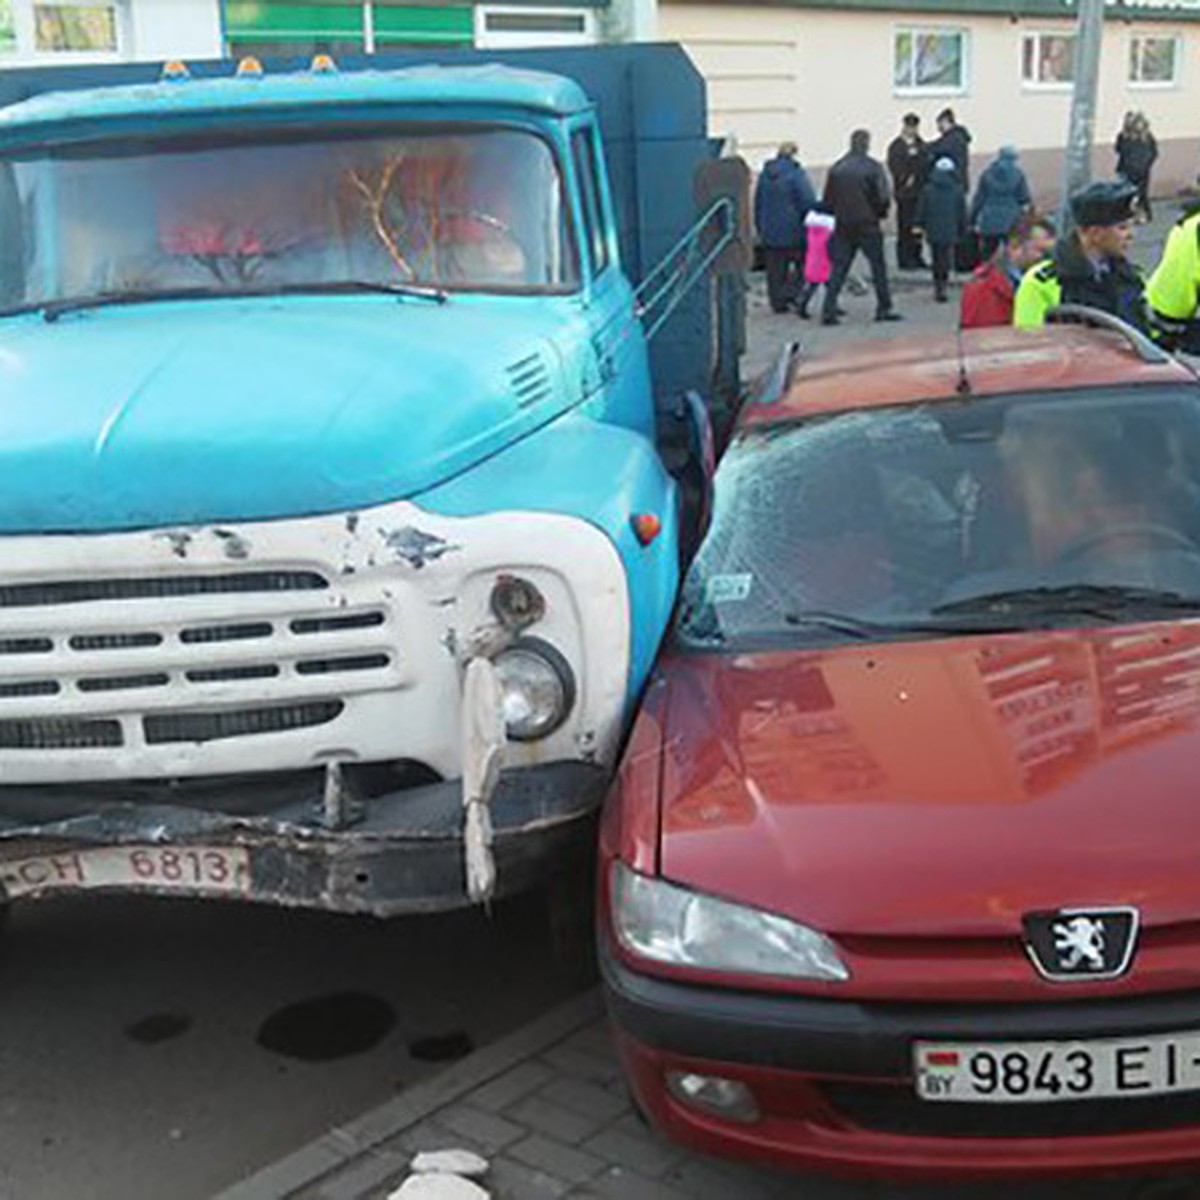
(252,96)
(922,368)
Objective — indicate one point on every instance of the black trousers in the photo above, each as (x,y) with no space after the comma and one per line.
(1143,195)
(785,274)
(988,243)
(845,244)
(908,240)
(942,257)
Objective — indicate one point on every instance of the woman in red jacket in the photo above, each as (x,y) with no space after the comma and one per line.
(987,299)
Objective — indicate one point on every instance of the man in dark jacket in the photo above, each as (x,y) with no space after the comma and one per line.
(1090,265)
(908,165)
(954,142)
(856,192)
(782,200)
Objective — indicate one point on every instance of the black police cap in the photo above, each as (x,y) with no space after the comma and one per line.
(1105,202)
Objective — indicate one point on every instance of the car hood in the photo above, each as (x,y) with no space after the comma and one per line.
(244,409)
(940,788)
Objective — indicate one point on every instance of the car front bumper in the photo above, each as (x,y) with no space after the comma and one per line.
(834,1084)
(398,853)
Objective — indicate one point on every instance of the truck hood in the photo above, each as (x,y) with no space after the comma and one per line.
(243,409)
(941,788)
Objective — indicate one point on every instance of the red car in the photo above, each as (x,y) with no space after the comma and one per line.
(901,874)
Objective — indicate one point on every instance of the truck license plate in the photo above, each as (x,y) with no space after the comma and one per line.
(1044,1072)
(207,870)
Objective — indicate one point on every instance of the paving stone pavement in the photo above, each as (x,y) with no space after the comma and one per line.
(548,1109)
(546,1105)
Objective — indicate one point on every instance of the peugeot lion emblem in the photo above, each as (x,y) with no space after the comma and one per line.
(1076,944)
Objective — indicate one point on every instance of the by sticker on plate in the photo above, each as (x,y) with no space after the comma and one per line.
(727,589)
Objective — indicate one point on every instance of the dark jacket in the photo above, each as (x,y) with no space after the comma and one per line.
(1135,156)
(857,193)
(782,200)
(942,209)
(955,143)
(1070,277)
(1000,197)
(908,165)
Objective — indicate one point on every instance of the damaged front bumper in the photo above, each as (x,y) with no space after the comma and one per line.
(398,853)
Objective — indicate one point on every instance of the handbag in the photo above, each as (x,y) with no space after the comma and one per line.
(967,253)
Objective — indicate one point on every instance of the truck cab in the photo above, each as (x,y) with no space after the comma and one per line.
(335,541)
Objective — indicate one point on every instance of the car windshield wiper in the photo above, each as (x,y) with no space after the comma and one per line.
(1107,600)
(865,630)
(53,309)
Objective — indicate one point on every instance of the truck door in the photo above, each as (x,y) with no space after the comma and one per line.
(619,365)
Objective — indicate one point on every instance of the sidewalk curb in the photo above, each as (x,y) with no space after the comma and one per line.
(342,1145)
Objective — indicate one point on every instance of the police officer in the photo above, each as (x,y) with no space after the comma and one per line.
(1089,266)
(1173,293)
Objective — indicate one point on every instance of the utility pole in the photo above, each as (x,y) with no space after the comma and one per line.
(1089,33)
(629,21)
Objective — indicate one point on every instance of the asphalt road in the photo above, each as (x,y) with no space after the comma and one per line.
(153,1048)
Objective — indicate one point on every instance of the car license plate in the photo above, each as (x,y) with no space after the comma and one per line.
(1043,1072)
(206,870)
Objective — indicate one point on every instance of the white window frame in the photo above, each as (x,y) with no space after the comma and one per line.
(504,40)
(1155,84)
(28,54)
(1038,85)
(959,31)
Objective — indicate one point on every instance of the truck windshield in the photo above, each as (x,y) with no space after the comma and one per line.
(471,208)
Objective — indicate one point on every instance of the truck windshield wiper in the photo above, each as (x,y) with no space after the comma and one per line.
(366,286)
(53,309)
(1108,600)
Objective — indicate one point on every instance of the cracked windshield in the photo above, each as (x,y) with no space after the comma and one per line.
(909,520)
(468,210)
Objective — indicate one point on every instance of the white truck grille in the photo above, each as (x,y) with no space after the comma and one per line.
(87,664)
(278,645)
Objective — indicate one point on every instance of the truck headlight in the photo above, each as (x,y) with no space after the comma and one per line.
(659,921)
(538,688)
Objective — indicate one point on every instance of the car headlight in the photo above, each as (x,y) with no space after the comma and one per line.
(668,924)
(537,686)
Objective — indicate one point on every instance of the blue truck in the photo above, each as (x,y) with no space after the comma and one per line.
(337,530)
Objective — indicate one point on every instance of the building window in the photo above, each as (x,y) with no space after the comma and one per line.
(929,60)
(535,22)
(75,27)
(8,28)
(1048,59)
(1153,61)
(499,28)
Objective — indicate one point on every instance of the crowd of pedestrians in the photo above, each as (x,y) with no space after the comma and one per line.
(1019,267)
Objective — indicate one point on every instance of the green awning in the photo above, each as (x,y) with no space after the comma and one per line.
(342,20)
(278,20)
(424,23)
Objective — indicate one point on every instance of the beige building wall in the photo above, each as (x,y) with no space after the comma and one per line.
(815,74)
